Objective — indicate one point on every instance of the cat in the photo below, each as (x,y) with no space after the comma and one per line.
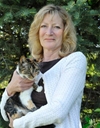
(21,103)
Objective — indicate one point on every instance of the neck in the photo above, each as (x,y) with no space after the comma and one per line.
(49,56)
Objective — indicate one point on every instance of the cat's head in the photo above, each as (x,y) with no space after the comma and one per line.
(27,68)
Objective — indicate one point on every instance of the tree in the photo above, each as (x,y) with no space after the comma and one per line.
(15,19)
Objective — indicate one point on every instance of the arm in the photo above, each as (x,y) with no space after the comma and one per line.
(70,86)
(17,84)
(3,102)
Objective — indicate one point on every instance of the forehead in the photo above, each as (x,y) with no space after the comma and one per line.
(49,17)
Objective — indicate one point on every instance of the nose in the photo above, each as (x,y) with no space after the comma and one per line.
(49,31)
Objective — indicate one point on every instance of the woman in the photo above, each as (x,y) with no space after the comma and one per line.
(52,41)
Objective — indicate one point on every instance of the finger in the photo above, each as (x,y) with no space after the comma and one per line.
(8,115)
(10,123)
(9,119)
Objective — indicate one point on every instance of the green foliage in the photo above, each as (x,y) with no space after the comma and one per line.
(15,19)
(91,123)
(3,124)
(14,25)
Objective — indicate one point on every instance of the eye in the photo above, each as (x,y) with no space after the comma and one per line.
(43,26)
(58,27)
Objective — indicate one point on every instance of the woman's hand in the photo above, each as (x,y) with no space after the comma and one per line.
(10,121)
(18,84)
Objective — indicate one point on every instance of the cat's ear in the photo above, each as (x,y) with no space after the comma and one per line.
(32,59)
(22,59)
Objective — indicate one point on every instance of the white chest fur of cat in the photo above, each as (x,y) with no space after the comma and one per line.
(30,70)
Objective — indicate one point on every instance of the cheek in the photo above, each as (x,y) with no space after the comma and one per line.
(60,32)
(60,35)
(41,33)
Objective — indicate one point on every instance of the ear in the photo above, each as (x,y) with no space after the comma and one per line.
(22,59)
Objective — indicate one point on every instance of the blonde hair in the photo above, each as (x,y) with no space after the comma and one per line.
(69,37)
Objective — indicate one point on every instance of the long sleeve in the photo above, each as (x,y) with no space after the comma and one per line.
(3,102)
(64,85)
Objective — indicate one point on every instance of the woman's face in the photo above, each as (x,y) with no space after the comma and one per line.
(51,32)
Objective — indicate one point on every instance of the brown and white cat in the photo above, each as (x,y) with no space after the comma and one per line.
(21,103)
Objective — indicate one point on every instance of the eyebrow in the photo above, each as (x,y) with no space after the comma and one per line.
(53,23)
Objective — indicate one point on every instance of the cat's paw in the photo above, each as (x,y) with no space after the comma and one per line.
(39,89)
(17,115)
(33,109)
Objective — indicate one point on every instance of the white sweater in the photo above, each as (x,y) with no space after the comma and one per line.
(64,85)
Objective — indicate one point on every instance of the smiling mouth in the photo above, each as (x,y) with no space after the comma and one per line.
(49,39)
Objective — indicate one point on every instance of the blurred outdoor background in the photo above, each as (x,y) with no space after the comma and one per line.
(15,19)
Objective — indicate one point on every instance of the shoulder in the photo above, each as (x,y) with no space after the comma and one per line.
(76,59)
(75,56)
